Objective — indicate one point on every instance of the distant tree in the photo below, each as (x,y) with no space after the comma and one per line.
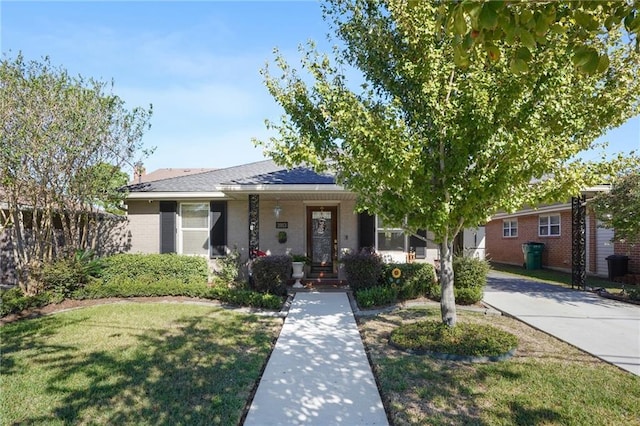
(430,142)
(619,208)
(64,141)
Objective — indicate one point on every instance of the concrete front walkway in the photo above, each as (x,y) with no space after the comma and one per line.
(602,327)
(318,372)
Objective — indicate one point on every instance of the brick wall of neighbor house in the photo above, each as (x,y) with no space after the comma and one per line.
(557,249)
(633,251)
(144,223)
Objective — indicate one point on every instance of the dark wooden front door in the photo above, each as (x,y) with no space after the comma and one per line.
(322,240)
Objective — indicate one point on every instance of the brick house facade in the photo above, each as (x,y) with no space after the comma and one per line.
(551,225)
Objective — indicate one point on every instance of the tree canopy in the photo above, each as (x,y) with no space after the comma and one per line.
(619,208)
(428,143)
(63,143)
(475,25)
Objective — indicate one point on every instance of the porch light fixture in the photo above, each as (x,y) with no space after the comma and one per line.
(277,209)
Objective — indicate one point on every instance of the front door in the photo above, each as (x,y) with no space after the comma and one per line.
(322,240)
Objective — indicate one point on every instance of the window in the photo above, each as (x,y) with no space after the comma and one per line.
(389,238)
(194,228)
(549,225)
(509,228)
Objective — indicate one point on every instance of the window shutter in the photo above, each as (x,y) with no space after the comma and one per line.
(218,222)
(418,244)
(168,226)
(366,230)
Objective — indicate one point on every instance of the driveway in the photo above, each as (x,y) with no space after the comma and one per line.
(602,327)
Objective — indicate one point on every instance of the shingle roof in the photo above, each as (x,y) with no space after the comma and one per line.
(259,173)
(172,172)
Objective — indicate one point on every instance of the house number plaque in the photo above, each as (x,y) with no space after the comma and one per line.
(282,225)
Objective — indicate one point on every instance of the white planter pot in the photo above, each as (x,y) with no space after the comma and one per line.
(298,273)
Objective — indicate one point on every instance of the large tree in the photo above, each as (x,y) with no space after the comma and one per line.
(476,24)
(619,208)
(428,143)
(63,142)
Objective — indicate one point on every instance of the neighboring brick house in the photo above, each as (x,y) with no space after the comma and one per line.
(247,206)
(551,225)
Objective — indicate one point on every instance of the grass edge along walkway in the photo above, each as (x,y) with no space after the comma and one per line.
(133,363)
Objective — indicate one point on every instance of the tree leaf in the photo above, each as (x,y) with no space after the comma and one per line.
(488,17)
(527,39)
(518,66)
(459,23)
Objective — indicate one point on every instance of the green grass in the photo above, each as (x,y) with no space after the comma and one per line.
(556,277)
(156,364)
(547,382)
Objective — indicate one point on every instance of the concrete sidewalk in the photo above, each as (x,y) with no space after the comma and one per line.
(318,372)
(602,327)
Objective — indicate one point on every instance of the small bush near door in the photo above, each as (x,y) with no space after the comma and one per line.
(269,274)
(363,269)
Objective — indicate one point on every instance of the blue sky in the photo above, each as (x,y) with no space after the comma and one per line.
(197,62)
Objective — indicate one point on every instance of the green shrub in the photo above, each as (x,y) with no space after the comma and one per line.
(463,339)
(127,287)
(470,279)
(64,276)
(362,269)
(229,269)
(142,287)
(634,293)
(14,300)
(270,274)
(414,281)
(155,267)
(376,296)
(470,272)
(245,297)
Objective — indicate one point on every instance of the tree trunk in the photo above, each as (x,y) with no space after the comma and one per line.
(447,299)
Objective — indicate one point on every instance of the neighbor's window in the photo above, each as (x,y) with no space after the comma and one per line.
(389,238)
(510,228)
(194,228)
(549,225)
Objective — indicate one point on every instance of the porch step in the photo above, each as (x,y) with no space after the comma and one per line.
(321,284)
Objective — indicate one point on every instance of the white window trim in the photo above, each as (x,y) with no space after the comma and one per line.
(549,225)
(511,228)
(380,229)
(180,229)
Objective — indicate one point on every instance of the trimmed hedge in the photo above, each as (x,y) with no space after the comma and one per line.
(135,275)
(376,296)
(362,269)
(269,274)
(414,281)
(155,267)
(411,280)
(470,279)
(174,287)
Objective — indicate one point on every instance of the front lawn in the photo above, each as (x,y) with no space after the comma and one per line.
(547,381)
(133,363)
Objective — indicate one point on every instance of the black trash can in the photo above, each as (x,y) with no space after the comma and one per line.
(618,265)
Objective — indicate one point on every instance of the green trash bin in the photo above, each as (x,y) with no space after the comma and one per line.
(532,254)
